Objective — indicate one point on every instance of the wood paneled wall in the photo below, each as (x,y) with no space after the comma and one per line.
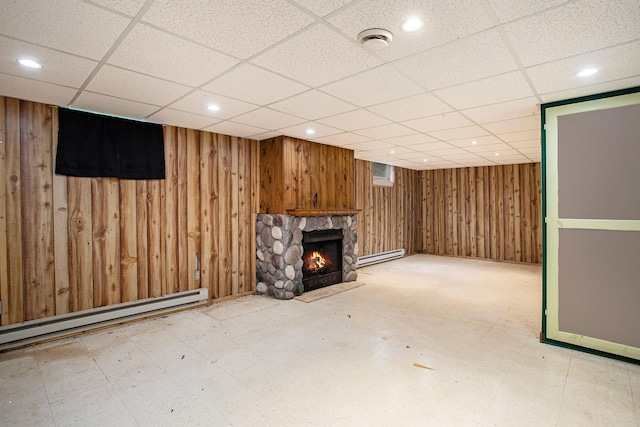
(391,217)
(491,212)
(298,174)
(70,244)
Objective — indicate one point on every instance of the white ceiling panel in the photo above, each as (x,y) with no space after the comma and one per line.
(533,143)
(489,148)
(514,125)
(323,7)
(342,139)
(502,88)
(504,111)
(503,153)
(520,136)
(508,10)
(135,87)
(416,138)
(459,133)
(33,90)
(235,129)
(182,119)
(59,68)
(317,56)
(198,101)
(268,119)
(463,156)
(354,120)
(68,25)
(575,28)
(386,132)
(181,61)
(375,86)
(240,28)
(530,150)
(108,104)
(392,151)
(128,7)
(612,64)
(313,105)
(443,22)
(439,122)
(591,89)
(412,107)
(480,140)
(411,155)
(300,130)
(253,84)
(447,152)
(265,135)
(478,56)
(371,145)
(430,146)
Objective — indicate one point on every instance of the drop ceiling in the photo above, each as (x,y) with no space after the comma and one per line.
(477,71)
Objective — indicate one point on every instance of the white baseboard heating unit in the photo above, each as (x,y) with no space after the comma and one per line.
(68,324)
(381,257)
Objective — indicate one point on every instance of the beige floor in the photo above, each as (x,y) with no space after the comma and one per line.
(346,360)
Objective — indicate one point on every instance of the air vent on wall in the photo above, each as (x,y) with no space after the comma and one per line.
(375,39)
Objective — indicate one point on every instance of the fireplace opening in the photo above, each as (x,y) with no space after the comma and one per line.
(322,259)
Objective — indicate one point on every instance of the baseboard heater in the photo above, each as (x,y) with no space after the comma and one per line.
(381,257)
(68,324)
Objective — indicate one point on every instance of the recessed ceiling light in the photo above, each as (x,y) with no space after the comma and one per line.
(310,131)
(587,72)
(412,24)
(213,107)
(474,142)
(497,154)
(392,152)
(424,160)
(30,63)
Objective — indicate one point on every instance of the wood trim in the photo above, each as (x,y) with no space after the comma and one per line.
(322,212)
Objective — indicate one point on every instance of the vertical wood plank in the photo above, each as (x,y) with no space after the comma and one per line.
(184,267)
(36,174)
(193,205)
(516,213)
(106,241)
(235,234)
(243,254)
(142,239)
(472,209)
(128,242)
(170,210)
(154,237)
(509,214)
(80,243)
(4,274)
(255,167)
(480,225)
(225,220)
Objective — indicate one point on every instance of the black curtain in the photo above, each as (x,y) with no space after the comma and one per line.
(93,145)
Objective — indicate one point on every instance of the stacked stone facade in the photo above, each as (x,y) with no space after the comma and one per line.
(279,250)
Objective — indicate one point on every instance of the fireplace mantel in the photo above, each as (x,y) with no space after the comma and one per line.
(322,212)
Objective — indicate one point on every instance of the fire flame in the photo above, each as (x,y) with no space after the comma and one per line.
(316,261)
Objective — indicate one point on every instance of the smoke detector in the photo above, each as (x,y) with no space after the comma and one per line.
(375,39)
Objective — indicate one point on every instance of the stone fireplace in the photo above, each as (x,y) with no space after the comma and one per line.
(301,253)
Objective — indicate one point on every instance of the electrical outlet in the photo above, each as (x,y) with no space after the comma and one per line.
(196,275)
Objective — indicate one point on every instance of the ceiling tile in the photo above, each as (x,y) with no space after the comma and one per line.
(472,58)
(504,153)
(448,152)
(392,152)
(67,25)
(430,146)
(530,150)
(505,87)
(514,125)
(182,119)
(59,68)
(512,160)
(268,119)
(234,129)
(591,89)
(375,86)
(416,138)
(240,28)
(508,10)
(300,130)
(480,140)
(265,135)
(489,148)
(198,101)
(128,7)
(457,157)
(371,145)
(459,133)
(504,111)
(439,122)
(181,61)
(317,56)
(135,87)
(323,7)
(574,28)
(411,155)
(533,143)
(33,90)
(354,120)
(253,84)
(443,22)
(613,64)
(386,131)
(110,105)
(520,136)
(534,158)
(411,107)
(342,139)
(313,105)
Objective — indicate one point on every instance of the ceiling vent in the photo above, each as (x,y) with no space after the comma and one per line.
(375,39)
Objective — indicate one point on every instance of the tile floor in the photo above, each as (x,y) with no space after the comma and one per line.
(347,360)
